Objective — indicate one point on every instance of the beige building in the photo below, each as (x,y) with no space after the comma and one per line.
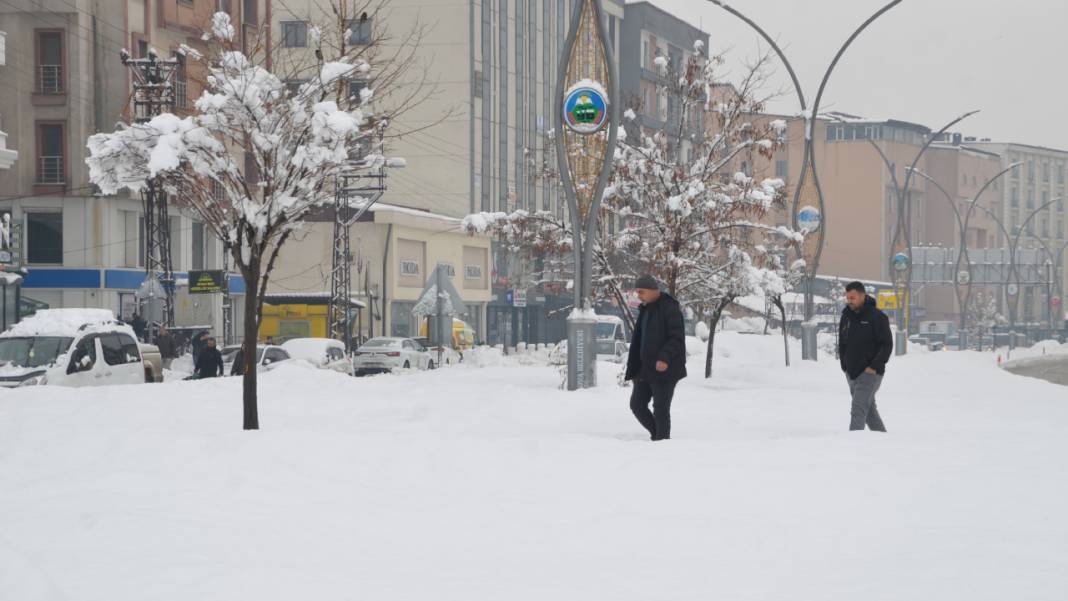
(394,250)
(63,81)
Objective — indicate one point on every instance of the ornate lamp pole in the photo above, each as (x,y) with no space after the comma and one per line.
(808,205)
(586,123)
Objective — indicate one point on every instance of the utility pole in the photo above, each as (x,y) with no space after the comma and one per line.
(153,94)
(364,182)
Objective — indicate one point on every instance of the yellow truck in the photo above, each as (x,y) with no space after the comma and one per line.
(301,316)
(463,335)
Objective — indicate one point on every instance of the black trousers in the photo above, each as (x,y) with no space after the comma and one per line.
(657,421)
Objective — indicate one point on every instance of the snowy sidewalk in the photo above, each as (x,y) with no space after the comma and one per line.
(491,483)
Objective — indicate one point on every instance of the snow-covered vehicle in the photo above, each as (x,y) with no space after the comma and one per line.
(75,347)
(267,357)
(385,354)
(611,338)
(449,355)
(324,353)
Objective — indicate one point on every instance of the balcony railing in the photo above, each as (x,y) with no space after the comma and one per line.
(50,79)
(50,170)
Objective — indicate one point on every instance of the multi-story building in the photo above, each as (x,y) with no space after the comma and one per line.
(1033,207)
(649,34)
(476,142)
(63,82)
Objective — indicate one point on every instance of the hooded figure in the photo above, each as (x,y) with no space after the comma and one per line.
(657,358)
(865,343)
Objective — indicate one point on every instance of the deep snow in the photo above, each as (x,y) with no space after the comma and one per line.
(491,483)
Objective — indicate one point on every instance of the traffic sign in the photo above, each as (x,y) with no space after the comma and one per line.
(1012,289)
(519,298)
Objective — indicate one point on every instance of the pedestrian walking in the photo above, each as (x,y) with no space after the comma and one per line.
(168,347)
(209,362)
(198,343)
(657,358)
(864,346)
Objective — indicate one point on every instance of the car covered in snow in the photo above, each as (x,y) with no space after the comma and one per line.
(75,347)
(324,353)
(385,354)
(442,355)
(610,338)
(267,357)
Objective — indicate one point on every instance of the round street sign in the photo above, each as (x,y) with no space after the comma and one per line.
(901,262)
(808,219)
(585,110)
(1012,289)
(963,277)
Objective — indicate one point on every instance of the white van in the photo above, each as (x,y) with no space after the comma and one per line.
(611,339)
(72,347)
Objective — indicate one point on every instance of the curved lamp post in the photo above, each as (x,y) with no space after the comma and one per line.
(1057,260)
(808,163)
(963,259)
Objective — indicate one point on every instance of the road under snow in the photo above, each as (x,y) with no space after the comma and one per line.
(490,483)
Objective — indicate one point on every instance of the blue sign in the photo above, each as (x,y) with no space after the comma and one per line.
(808,219)
(585,110)
(901,262)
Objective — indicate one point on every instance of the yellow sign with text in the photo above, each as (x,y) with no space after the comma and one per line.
(887,299)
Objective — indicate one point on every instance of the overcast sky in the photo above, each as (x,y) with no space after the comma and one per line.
(925,61)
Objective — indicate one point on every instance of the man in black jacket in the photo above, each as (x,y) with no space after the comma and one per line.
(167,345)
(209,361)
(657,358)
(864,346)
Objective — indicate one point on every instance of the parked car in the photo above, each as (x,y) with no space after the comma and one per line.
(75,347)
(449,355)
(267,357)
(324,353)
(385,354)
(611,339)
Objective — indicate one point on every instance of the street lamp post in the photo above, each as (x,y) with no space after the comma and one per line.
(808,187)
(963,258)
(586,123)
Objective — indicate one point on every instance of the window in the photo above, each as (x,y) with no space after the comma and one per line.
(198,245)
(360,31)
(142,48)
(1045,172)
(1045,198)
(85,354)
(119,349)
(294,34)
(477,82)
(181,83)
(1045,229)
(409,268)
(1014,197)
(1030,199)
(248,13)
(133,238)
(409,345)
(275,355)
(645,53)
(223,6)
(355,87)
(1060,174)
(401,320)
(833,133)
(44,238)
(1060,230)
(50,62)
(1030,171)
(51,152)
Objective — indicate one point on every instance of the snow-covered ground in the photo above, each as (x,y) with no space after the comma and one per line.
(491,483)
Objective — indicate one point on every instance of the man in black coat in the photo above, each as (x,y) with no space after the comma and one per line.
(864,346)
(657,358)
(209,361)
(139,325)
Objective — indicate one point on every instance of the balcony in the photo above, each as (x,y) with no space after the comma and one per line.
(50,79)
(50,170)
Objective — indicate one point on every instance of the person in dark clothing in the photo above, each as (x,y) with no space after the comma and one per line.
(139,326)
(864,346)
(168,347)
(199,342)
(209,362)
(238,366)
(657,358)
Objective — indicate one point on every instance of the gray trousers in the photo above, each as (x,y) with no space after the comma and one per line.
(864,410)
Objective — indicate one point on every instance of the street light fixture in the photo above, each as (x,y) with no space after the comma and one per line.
(808,166)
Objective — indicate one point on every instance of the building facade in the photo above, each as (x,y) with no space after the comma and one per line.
(63,82)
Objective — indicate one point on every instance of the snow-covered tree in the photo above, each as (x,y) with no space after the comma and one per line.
(254,156)
(779,276)
(681,203)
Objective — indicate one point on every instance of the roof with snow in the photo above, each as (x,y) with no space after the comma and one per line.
(67,323)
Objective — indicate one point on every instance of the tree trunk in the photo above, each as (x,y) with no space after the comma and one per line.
(713,323)
(785,338)
(248,346)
